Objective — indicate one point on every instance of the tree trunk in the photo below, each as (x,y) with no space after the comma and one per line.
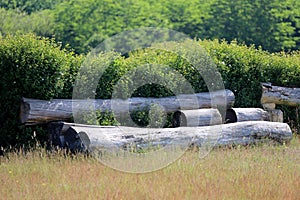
(199,117)
(246,114)
(79,137)
(40,111)
(280,95)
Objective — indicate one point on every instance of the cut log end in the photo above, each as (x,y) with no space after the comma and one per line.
(24,111)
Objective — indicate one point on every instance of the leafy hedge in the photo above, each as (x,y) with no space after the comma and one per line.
(243,68)
(31,67)
(143,64)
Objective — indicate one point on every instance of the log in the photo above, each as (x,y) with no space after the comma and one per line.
(198,117)
(78,137)
(246,114)
(35,111)
(269,106)
(280,95)
(276,115)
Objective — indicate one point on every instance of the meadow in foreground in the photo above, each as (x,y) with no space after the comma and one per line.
(259,172)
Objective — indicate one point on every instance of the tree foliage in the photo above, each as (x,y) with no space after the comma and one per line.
(271,24)
(31,67)
(29,6)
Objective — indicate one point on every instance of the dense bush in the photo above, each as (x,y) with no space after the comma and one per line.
(142,73)
(243,68)
(31,67)
(154,70)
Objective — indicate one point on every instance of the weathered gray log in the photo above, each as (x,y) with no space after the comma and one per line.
(269,106)
(280,95)
(246,114)
(41,111)
(198,117)
(79,137)
(275,115)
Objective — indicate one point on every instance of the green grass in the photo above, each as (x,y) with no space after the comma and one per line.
(259,172)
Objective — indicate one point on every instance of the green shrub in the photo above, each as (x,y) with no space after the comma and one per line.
(142,64)
(138,75)
(31,67)
(243,68)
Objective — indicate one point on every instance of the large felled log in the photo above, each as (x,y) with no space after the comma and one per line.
(198,117)
(246,114)
(40,111)
(280,95)
(79,137)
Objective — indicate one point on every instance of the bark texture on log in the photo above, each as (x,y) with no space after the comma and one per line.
(84,137)
(246,114)
(199,117)
(41,111)
(280,95)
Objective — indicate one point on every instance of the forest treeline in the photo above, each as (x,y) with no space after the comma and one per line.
(82,24)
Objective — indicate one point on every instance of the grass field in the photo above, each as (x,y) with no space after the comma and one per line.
(260,172)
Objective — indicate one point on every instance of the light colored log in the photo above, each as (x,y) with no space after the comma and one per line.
(276,115)
(246,114)
(280,95)
(269,106)
(40,111)
(198,117)
(86,137)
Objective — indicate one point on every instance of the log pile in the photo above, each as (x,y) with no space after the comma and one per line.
(195,125)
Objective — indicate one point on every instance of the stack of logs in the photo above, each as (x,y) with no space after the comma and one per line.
(237,126)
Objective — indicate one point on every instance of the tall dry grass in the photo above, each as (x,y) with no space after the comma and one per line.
(261,172)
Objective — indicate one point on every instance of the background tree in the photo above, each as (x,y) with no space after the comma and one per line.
(29,6)
(263,23)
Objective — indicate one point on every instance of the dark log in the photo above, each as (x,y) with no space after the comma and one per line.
(246,114)
(88,137)
(280,95)
(41,111)
(199,117)
(54,137)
